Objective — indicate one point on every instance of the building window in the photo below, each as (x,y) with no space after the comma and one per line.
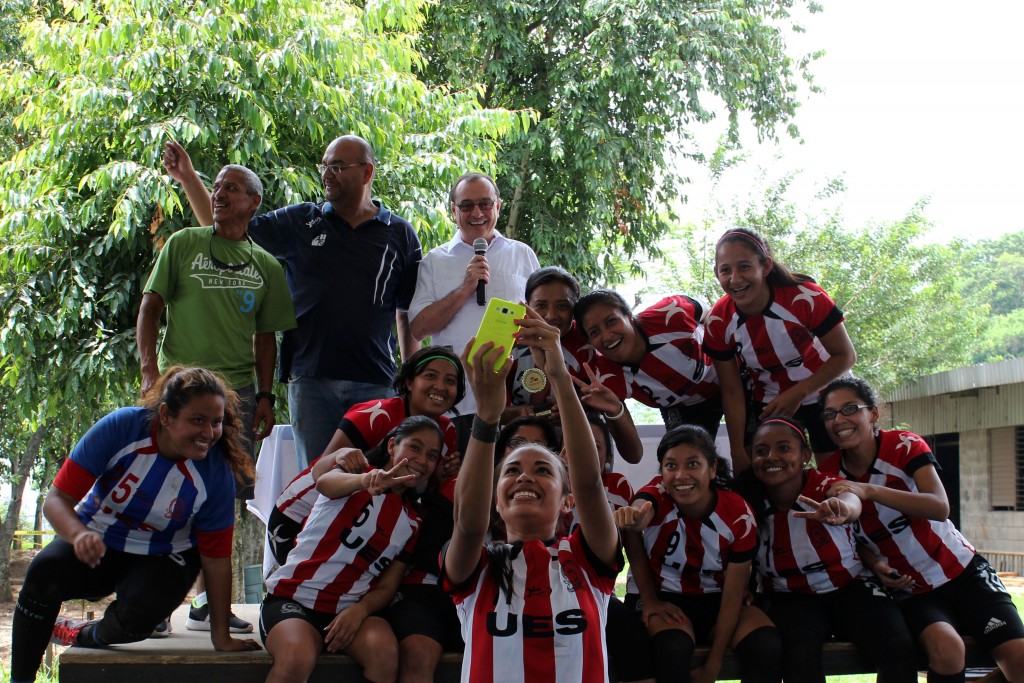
(1007,468)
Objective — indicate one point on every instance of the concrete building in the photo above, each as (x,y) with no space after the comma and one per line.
(974,420)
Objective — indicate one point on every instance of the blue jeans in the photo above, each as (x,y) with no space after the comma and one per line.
(316,407)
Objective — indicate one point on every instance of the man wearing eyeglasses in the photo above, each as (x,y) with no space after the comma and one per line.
(351,266)
(445,305)
(225,298)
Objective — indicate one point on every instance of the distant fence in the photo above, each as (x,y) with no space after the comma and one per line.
(1005,562)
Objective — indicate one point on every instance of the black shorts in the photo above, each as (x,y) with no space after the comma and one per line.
(274,610)
(809,415)
(706,414)
(975,603)
(425,610)
(629,648)
(701,610)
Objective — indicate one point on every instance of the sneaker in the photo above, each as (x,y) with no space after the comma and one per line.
(199,620)
(162,630)
(66,629)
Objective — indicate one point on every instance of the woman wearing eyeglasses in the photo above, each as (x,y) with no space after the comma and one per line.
(943,586)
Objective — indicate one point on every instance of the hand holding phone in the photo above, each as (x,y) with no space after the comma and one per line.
(499,327)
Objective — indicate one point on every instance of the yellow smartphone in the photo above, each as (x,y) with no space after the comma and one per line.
(497,326)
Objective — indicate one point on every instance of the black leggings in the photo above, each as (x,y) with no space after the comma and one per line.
(148,588)
(855,613)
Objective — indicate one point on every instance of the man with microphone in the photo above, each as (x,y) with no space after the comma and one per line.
(457,278)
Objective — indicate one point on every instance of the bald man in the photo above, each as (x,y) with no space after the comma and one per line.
(351,266)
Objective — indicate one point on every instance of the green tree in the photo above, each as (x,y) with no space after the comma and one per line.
(904,309)
(616,85)
(266,83)
(994,272)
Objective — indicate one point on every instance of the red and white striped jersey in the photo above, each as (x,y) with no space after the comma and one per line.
(551,629)
(689,555)
(366,424)
(619,493)
(345,546)
(576,350)
(296,501)
(798,555)
(929,552)
(675,370)
(781,346)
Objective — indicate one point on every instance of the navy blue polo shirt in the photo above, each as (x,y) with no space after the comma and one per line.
(346,284)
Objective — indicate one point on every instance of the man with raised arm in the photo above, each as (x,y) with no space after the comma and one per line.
(225,299)
(351,265)
(445,306)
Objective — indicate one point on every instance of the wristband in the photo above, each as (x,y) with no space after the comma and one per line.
(483,431)
(618,415)
(267,395)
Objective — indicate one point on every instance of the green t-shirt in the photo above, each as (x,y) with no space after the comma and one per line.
(213,313)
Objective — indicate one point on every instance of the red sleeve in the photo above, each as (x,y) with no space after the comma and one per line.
(818,484)
(618,485)
(813,306)
(366,424)
(74,480)
(451,439)
(215,543)
(715,343)
(830,464)
(744,529)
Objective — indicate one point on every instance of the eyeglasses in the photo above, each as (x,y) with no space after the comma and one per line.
(849,409)
(518,441)
(217,263)
(467,206)
(335,169)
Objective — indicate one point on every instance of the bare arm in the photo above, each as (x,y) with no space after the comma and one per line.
(474,488)
(217,574)
(344,628)
(580,451)
(734,404)
(146,329)
(597,396)
(407,343)
(437,315)
(178,165)
(930,502)
(737,574)
(265,349)
(59,509)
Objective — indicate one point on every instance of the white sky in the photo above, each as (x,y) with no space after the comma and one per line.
(922,99)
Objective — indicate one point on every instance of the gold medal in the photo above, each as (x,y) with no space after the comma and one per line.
(534,380)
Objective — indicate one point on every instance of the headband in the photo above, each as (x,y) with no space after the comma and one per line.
(426,360)
(774,420)
(747,236)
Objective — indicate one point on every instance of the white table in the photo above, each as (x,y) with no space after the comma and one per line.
(275,469)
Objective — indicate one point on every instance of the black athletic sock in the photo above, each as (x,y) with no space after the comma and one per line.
(760,655)
(673,656)
(32,627)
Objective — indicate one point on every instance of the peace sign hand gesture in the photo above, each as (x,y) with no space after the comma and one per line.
(381,481)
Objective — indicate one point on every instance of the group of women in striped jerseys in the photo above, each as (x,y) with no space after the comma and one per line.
(393,548)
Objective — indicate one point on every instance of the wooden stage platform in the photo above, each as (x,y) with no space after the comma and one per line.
(188,657)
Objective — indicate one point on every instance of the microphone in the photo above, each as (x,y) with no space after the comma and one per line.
(480,248)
